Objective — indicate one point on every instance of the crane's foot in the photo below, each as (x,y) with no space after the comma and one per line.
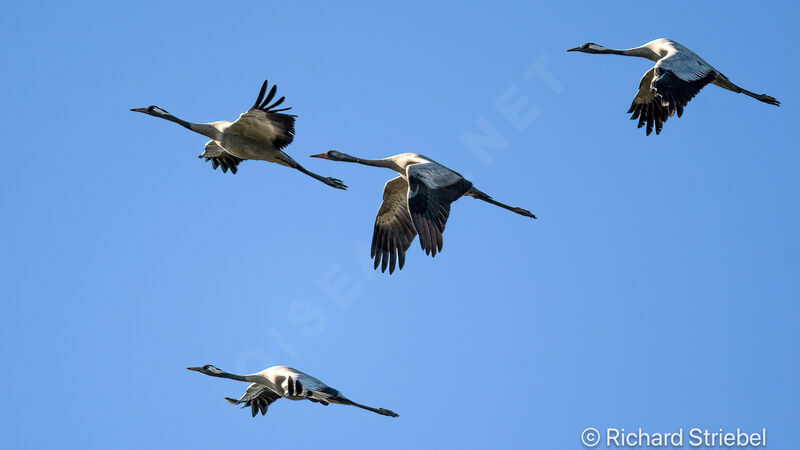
(386,412)
(767,99)
(335,183)
(524,212)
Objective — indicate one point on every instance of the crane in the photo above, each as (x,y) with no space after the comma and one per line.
(260,133)
(276,382)
(416,202)
(677,76)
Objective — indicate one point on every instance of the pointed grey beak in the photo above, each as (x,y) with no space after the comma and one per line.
(196,369)
(321,155)
(576,49)
(141,110)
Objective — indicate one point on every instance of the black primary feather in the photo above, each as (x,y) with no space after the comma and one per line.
(270,96)
(226,162)
(671,94)
(430,208)
(260,95)
(262,103)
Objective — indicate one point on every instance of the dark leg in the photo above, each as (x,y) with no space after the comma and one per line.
(332,182)
(474,193)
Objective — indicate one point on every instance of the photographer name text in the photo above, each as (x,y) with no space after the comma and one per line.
(692,437)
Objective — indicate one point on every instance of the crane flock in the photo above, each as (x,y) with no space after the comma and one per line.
(417,202)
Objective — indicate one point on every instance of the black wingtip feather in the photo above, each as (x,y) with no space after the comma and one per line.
(278,102)
(260,94)
(262,101)
(270,96)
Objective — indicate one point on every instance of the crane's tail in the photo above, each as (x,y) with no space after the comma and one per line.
(475,193)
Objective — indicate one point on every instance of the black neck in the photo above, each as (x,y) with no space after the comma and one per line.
(641,52)
(366,162)
(200,128)
(228,375)
(180,122)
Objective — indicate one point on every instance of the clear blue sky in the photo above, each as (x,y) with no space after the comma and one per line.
(658,289)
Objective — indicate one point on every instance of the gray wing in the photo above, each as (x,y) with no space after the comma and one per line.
(394,229)
(432,187)
(676,79)
(262,122)
(220,158)
(258,397)
(685,64)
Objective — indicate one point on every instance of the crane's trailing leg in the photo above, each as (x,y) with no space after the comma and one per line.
(332,182)
(725,83)
(474,193)
(381,411)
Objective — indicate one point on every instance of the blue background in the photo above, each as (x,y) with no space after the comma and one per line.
(658,289)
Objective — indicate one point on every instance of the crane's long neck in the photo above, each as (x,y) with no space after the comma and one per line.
(640,52)
(232,376)
(200,128)
(385,163)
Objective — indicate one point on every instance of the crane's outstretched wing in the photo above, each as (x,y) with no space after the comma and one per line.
(432,187)
(647,108)
(262,122)
(394,230)
(258,397)
(220,158)
(668,87)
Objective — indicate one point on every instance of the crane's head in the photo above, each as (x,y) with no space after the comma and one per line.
(333,155)
(589,47)
(152,110)
(208,369)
